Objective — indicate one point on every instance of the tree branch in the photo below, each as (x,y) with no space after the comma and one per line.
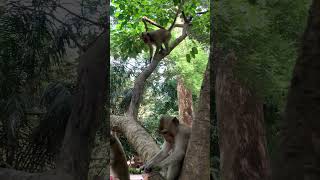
(203,12)
(144,19)
(140,82)
(138,88)
(137,136)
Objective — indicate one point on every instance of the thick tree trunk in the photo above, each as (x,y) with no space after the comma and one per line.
(2,6)
(87,111)
(82,125)
(185,103)
(300,133)
(243,152)
(197,159)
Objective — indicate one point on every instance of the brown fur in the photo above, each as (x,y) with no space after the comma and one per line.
(171,155)
(118,161)
(158,37)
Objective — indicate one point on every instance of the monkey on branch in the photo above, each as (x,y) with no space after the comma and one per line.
(158,37)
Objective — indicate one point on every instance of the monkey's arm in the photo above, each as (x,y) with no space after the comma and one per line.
(151,52)
(176,156)
(178,152)
(163,153)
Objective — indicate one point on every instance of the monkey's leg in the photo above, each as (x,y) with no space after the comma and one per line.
(162,154)
(157,158)
(174,171)
(166,44)
(158,48)
(151,52)
(162,50)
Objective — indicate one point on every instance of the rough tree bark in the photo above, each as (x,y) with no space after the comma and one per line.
(197,158)
(243,153)
(82,125)
(2,6)
(136,135)
(300,132)
(185,103)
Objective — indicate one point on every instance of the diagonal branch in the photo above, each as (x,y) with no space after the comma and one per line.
(138,88)
(144,19)
(146,147)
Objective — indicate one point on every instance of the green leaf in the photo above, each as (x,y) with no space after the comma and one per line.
(176,2)
(194,50)
(112,10)
(122,6)
(121,16)
(188,58)
(193,55)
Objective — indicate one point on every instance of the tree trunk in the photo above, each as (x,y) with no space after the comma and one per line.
(197,159)
(243,152)
(73,163)
(2,6)
(185,103)
(88,110)
(300,132)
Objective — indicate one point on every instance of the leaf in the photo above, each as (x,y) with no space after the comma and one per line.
(112,10)
(193,55)
(122,6)
(194,50)
(176,2)
(188,58)
(121,16)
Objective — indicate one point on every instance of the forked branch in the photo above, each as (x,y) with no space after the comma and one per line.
(141,79)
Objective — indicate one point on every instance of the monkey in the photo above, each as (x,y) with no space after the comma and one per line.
(118,161)
(172,153)
(157,37)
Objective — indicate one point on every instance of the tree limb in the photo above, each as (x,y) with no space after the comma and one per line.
(138,88)
(203,12)
(144,19)
(140,82)
(137,136)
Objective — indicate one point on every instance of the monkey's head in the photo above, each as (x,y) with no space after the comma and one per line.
(145,37)
(168,127)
